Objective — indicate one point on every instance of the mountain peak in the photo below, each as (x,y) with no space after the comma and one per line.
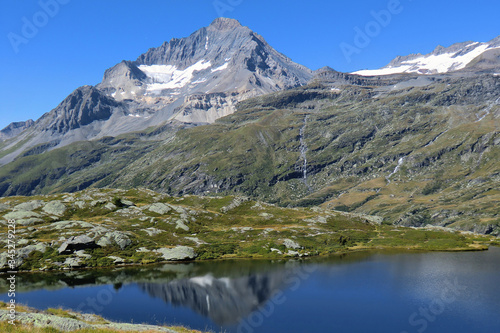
(224,23)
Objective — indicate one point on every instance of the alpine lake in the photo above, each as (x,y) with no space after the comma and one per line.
(372,291)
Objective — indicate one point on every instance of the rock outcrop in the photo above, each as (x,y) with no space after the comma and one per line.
(177,253)
(77,243)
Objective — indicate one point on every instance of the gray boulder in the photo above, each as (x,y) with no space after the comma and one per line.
(114,237)
(127,203)
(159,208)
(83,255)
(20,215)
(3,207)
(30,205)
(30,221)
(290,244)
(196,240)
(117,260)
(62,225)
(179,224)
(177,253)
(69,198)
(110,206)
(55,208)
(22,241)
(130,211)
(21,254)
(80,204)
(153,231)
(4,259)
(237,201)
(373,219)
(98,230)
(276,250)
(73,262)
(77,243)
(95,203)
(178,209)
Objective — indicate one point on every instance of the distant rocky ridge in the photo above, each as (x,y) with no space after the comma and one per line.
(15,128)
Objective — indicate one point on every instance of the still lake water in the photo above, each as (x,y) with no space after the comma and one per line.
(362,292)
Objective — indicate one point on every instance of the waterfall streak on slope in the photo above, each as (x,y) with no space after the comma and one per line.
(434,140)
(303,152)
(396,169)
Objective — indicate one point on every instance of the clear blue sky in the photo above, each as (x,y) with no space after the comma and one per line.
(85,37)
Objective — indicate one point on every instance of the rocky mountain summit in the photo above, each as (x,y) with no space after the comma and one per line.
(222,63)
(196,79)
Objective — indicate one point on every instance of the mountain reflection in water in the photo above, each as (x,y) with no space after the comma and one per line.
(224,300)
(358,292)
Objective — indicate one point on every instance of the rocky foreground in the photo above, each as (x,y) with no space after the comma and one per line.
(67,321)
(98,228)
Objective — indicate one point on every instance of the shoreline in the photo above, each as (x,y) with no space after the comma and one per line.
(111,228)
(30,319)
(360,249)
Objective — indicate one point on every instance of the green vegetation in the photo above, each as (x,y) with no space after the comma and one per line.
(214,227)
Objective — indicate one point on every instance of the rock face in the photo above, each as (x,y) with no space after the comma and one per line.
(178,253)
(73,244)
(82,107)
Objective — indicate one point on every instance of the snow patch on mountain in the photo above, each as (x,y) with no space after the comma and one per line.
(435,62)
(220,68)
(169,77)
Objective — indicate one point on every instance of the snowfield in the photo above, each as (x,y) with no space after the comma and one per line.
(432,63)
